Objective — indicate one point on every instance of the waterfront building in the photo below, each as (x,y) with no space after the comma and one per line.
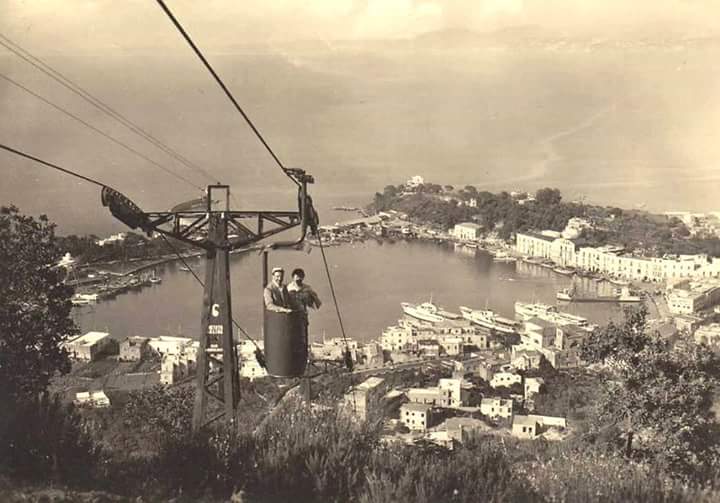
(496,407)
(612,261)
(169,345)
(416,416)
(688,297)
(364,401)
(399,338)
(132,349)
(90,346)
(467,231)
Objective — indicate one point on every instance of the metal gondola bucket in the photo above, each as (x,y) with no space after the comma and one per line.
(286,347)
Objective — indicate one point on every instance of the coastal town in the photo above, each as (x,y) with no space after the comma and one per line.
(475,370)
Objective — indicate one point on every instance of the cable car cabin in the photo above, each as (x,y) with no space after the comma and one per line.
(286,343)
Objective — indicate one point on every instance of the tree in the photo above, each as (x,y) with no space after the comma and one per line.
(35,308)
(548,196)
(617,339)
(657,396)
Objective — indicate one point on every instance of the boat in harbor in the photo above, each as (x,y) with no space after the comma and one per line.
(564,270)
(527,310)
(488,319)
(427,311)
(621,295)
(154,279)
(84,299)
(502,256)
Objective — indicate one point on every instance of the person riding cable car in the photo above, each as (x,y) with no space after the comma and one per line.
(276,295)
(302,293)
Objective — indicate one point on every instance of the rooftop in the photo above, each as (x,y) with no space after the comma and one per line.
(524,420)
(371,382)
(89,338)
(417,407)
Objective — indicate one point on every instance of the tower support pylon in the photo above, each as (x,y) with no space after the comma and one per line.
(217,379)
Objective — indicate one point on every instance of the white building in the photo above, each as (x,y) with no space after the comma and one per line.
(496,407)
(689,297)
(505,379)
(399,338)
(92,398)
(416,416)
(365,400)
(457,393)
(708,334)
(169,345)
(89,347)
(120,237)
(467,231)
(533,425)
(533,386)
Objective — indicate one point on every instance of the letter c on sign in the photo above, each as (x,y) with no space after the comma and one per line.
(215,311)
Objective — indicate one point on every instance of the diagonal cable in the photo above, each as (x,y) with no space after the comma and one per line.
(99,131)
(224,88)
(96,102)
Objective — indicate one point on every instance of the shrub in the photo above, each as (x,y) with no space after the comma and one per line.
(45,439)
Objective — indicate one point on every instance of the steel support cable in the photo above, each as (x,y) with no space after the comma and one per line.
(202,283)
(99,131)
(96,102)
(339,316)
(53,166)
(224,88)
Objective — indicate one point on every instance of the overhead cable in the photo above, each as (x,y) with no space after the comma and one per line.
(99,131)
(224,88)
(96,102)
(53,166)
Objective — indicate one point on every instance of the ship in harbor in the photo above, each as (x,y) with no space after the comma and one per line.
(623,295)
(488,319)
(527,310)
(426,311)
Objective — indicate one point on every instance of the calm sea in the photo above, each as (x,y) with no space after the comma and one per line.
(371,280)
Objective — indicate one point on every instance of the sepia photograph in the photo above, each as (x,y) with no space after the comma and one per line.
(362,251)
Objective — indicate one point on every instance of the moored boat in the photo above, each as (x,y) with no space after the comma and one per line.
(488,319)
(426,311)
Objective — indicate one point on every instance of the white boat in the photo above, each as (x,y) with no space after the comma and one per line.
(527,310)
(427,311)
(545,312)
(155,279)
(564,270)
(83,299)
(565,294)
(488,319)
(502,256)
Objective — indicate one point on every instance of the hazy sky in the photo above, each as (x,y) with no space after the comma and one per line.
(623,126)
(140,23)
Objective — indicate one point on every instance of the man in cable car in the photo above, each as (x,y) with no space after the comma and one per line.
(276,295)
(302,293)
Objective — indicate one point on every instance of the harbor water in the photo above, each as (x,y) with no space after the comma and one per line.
(371,279)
